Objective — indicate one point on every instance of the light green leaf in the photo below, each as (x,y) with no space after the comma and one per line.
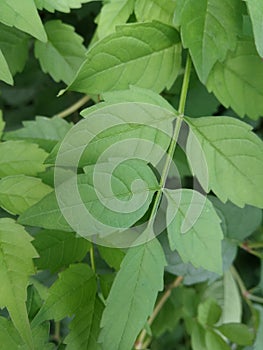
(238,81)
(63,53)
(238,333)
(255,8)
(113,13)
(198,338)
(112,256)
(16,254)
(46,132)
(194,229)
(5,73)
(20,157)
(209,29)
(58,249)
(148,10)
(19,192)
(14,45)
(60,5)
(215,342)
(234,158)
(147,55)
(259,337)
(133,294)
(209,312)
(2,124)
(24,16)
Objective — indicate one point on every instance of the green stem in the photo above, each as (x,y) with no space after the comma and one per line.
(249,249)
(254,244)
(92,259)
(74,107)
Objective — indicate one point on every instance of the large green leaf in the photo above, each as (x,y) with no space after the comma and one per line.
(20,157)
(143,54)
(58,249)
(133,294)
(113,13)
(16,254)
(19,192)
(148,10)
(63,53)
(238,81)
(61,5)
(194,229)
(255,8)
(234,158)
(5,73)
(209,29)
(22,15)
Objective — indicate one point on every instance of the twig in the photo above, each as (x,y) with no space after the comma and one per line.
(73,108)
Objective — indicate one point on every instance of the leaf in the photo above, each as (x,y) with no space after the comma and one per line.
(238,333)
(19,192)
(5,73)
(238,81)
(209,312)
(61,5)
(46,132)
(133,294)
(229,144)
(215,342)
(209,29)
(58,249)
(113,13)
(200,244)
(152,48)
(20,157)
(255,9)
(63,53)
(2,124)
(198,338)
(112,256)
(16,266)
(259,337)
(24,16)
(14,45)
(148,10)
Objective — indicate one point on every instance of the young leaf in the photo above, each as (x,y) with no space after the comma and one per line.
(234,158)
(58,249)
(20,157)
(255,9)
(148,10)
(133,294)
(24,16)
(201,243)
(154,48)
(238,333)
(62,5)
(16,266)
(5,73)
(19,192)
(209,312)
(63,53)
(210,34)
(113,13)
(237,82)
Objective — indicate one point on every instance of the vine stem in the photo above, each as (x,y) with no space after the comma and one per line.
(73,108)
(140,341)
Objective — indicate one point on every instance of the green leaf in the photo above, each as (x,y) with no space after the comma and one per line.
(238,81)
(259,337)
(237,333)
(24,16)
(5,73)
(19,192)
(133,294)
(61,5)
(198,338)
(209,312)
(16,254)
(148,10)
(20,157)
(153,48)
(209,29)
(14,45)
(215,342)
(2,124)
(229,144)
(63,53)
(255,9)
(46,132)
(196,241)
(113,13)
(112,256)
(58,249)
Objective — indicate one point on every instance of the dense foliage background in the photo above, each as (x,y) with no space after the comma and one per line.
(203,291)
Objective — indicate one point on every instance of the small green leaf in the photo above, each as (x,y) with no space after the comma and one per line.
(255,8)
(215,342)
(148,10)
(58,249)
(112,256)
(229,144)
(20,157)
(24,16)
(16,254)
(5,73)
(63,53)
(238,333)
(133,294)
(61,5)
(200,244)
(153,48)
(209,312)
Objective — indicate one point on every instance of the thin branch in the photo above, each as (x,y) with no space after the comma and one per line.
(73,108)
